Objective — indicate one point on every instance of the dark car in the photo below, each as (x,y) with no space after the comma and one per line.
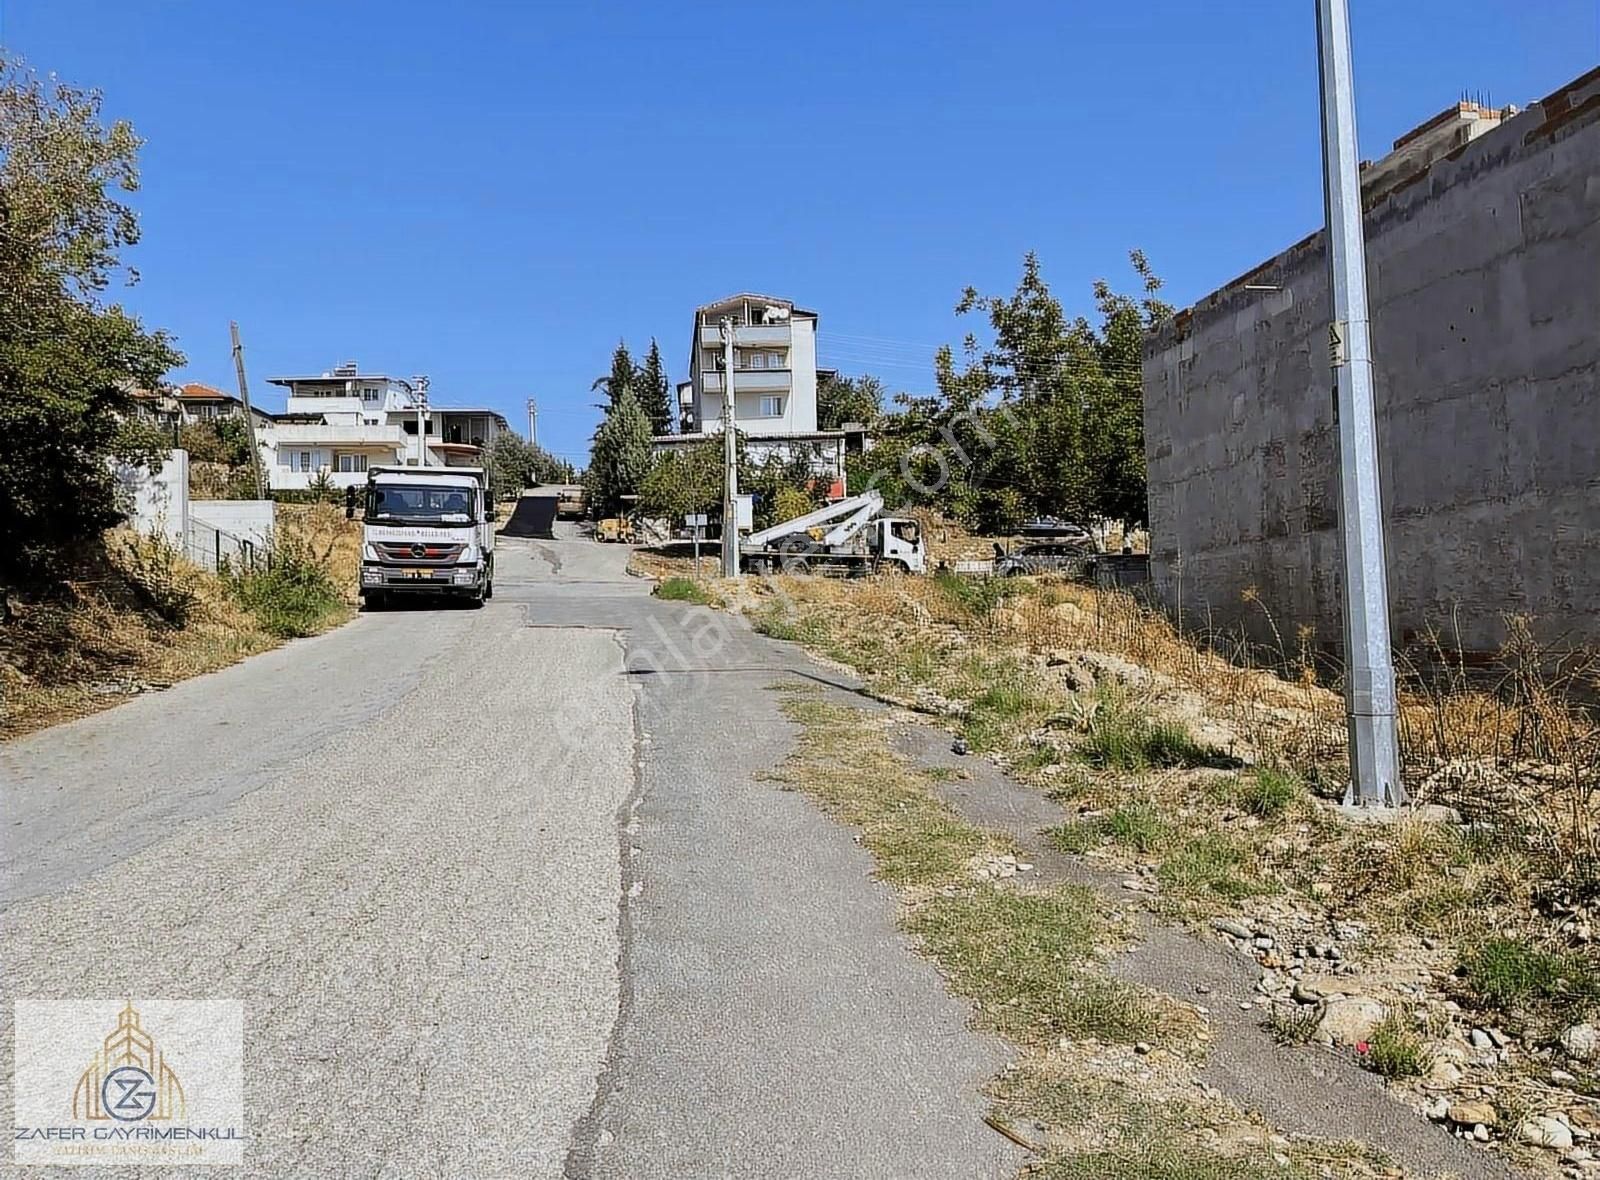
(1043,557)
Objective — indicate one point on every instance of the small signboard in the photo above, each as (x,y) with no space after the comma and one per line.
(744,511)
(695,520)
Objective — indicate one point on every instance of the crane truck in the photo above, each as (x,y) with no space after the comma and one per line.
(427,530)
(848,536)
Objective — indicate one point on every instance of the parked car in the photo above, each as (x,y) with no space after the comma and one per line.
(1043,557)
(1057,529)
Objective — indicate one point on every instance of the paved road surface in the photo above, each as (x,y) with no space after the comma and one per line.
(503,897)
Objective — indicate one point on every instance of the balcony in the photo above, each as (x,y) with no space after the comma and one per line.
(750,381)
(748,335)
(285,434)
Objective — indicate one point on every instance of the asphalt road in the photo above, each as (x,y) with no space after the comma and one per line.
(503,895)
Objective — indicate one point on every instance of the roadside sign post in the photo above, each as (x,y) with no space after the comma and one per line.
(696,523)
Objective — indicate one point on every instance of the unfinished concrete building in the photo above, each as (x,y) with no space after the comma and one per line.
(1483,248)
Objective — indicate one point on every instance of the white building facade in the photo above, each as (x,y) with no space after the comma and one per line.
(342,422)
(774,381)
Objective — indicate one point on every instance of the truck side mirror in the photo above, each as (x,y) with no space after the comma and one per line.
(491,515)
(350,502)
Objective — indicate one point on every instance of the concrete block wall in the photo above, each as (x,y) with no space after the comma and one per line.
(1485,287)
(156,501)
(225,528)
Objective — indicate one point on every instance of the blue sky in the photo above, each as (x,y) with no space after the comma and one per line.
(493,193)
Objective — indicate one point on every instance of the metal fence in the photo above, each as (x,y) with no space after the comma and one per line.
(214,549)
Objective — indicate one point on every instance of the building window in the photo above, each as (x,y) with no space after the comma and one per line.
(348,463)
(772,407)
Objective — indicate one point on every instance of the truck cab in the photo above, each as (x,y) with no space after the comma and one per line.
(897,540)
(427,530)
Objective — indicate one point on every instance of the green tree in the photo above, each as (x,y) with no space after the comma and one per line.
(684,481)
(848,399)
(1045,418)
(515,463)
(619,457)
(68,360)
(620,380)
(655,391)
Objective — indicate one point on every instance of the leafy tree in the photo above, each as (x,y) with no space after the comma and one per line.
(684,481)
(655,391)
(619,457)
(620,380)
(515,463)
(68,360)
(1046,419)
(848,399)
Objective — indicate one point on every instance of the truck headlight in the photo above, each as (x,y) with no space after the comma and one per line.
(466,577)
(370,576)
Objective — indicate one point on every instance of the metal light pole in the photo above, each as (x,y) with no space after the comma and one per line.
(533,421)
(1369,676)
(422,421)
(730,460)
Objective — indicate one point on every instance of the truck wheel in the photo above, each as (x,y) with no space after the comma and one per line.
(488,590)
(374,601)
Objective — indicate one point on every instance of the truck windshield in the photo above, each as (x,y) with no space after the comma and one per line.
(419,504)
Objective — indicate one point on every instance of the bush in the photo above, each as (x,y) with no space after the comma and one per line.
(1508,971)
(294,595)
(1122,737)
(158,576)
(971,596)
(1270,792)
(683,590)
(1137,826)
(1394,1051)
(1211,865)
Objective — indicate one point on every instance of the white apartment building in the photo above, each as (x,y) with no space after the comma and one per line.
(774,380)
(341,422)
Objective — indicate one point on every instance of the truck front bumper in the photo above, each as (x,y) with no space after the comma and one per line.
(419,579)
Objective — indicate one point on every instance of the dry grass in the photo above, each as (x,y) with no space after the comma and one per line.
(133,620)
(1024,669)
(1104,1070)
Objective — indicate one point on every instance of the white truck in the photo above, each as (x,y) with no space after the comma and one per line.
(427,530)
(849,536)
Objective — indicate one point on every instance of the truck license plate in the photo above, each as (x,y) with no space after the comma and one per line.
(419,573)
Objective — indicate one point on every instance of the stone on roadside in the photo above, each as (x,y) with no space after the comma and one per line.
(1444,1072)
(1349,1020)
(1472,1114)
(1232,928)
(1308,993)
(1541,1130)
(1581,1042)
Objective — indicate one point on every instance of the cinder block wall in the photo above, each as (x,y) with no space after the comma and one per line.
(1485,284)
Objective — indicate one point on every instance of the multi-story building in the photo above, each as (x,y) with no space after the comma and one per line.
(773,382)
(343,421)
(193,403)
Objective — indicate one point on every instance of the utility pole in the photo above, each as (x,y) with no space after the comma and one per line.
(422,422)
(730,460)
(249,418)
(533,422)
(1369,676)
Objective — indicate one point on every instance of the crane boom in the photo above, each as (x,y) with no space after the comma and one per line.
(865,506)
